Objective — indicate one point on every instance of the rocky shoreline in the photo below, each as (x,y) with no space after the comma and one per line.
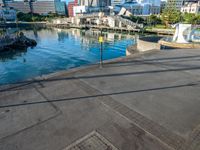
(18,41)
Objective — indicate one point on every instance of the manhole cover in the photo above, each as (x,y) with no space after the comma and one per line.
(92,141)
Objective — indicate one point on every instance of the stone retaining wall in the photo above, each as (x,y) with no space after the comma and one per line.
(148,43)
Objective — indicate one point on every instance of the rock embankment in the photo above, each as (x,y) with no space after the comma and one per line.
(18,41)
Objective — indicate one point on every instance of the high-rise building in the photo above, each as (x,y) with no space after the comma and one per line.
(8,14)
(44,7)
(151,2)
(71,7)
(116,2)
(95,3)
(61,8)
(175,4)
(39,6)
(20,6)
(163,5)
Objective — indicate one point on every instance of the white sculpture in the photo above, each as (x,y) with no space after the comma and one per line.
(178,36)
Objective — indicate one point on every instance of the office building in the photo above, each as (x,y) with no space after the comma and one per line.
(94,3)
(140,9)
(71,7)
(42,7)
(61,8)
(116,2)
(20,6)
(8,14)
(151,2)
(163,5)
(175,4)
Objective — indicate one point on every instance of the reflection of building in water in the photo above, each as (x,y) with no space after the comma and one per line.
(63,35)
(111,37)
(35,33)
(88,39)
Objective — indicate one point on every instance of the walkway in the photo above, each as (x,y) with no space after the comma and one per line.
(147,102)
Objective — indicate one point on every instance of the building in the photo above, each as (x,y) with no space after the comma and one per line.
(117,2)
(175,4)
(151,2)
(42,7)
(61,8)
(89,6)
(80,10)
(20,6)
(8,14)
(71,7)
(163,5)
(140,9)
(94,3)
(191,7)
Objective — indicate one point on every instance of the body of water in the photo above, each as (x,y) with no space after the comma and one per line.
(59,50)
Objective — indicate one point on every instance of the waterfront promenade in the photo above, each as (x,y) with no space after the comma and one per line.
(149,101)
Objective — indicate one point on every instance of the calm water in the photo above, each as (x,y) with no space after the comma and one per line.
(59,50)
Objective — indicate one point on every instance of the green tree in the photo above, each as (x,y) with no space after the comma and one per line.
(136,19)
(170,16)
(197,19)
(189,18)
(153,20)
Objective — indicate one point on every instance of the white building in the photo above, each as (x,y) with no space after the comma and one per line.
(191,7)
(94,3)
(80,10)
(140,9)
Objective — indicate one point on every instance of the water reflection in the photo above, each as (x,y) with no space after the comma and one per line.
(11,54)
(87,39)
(59,49)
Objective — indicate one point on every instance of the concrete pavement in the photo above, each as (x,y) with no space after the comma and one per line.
(144,102)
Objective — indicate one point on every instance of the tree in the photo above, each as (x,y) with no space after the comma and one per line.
(197,19)
(153,20)
(171,15)
(189,18)
(136,19)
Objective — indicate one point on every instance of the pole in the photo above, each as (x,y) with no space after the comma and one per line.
(101,56)
(101,52)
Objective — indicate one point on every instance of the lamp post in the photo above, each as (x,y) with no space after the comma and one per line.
(101,49)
